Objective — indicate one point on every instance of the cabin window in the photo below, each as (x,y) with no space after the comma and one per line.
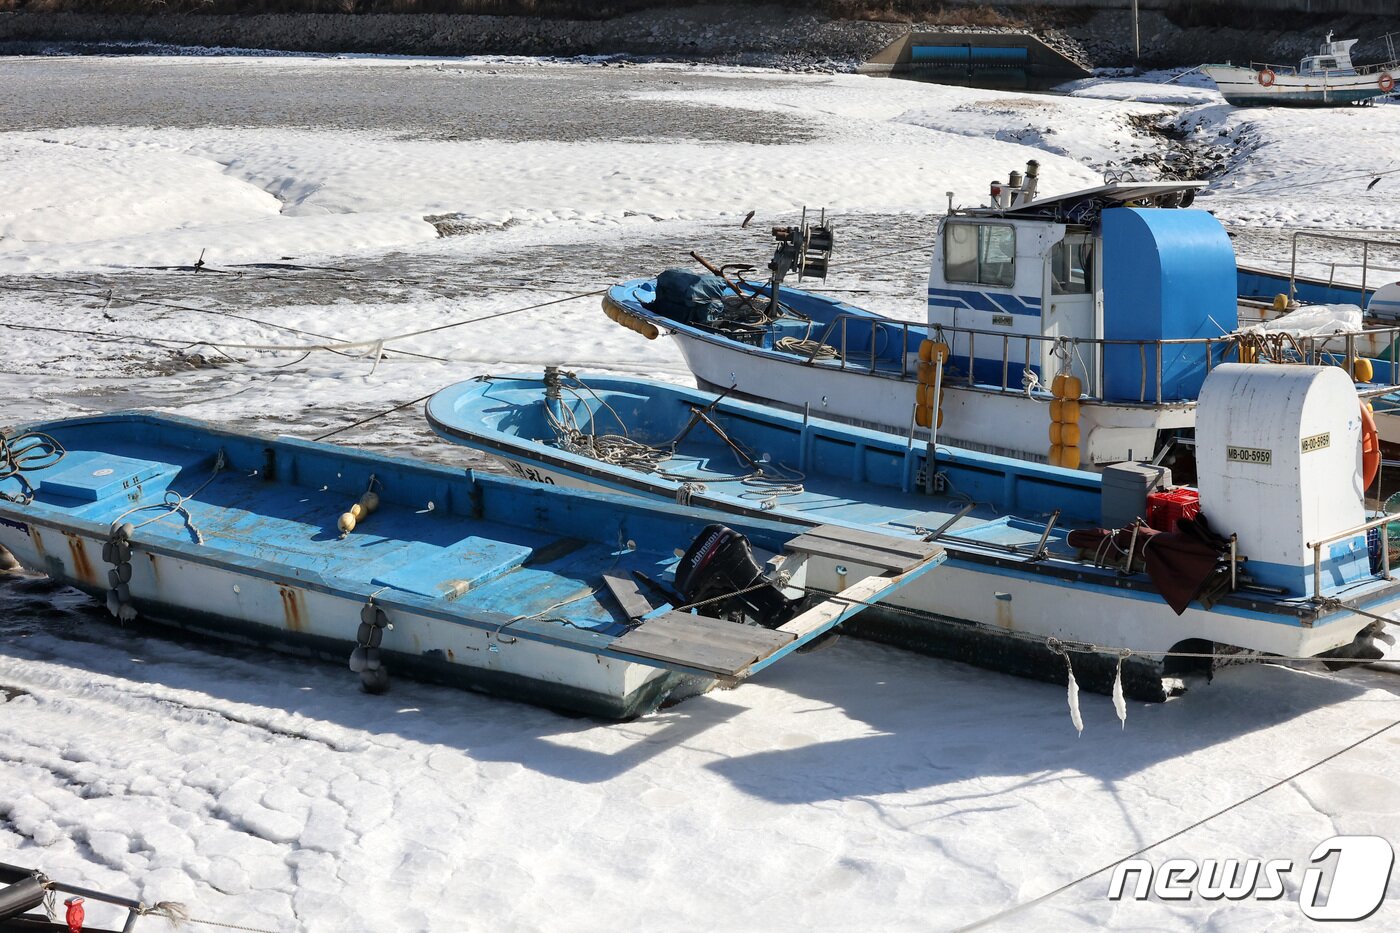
(1072,266)
(981,254)
(1326,63)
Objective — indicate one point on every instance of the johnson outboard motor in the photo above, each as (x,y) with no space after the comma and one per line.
(720,565)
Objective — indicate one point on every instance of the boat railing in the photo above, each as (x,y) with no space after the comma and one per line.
(1317,546)
(1276,69)
(135,909)
(1367,244)
(1017,351)
(1377,68)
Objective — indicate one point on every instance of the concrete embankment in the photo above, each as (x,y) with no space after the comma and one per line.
(731,34)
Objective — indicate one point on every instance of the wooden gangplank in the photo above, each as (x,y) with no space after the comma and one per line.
(731,652)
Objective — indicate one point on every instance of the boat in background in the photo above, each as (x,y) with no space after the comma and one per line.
(1041,560)
(1121,294)
(1327,78)
(565,599)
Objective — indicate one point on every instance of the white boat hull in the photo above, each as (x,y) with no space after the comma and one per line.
(307,617)
(1024,608)
(1246,87)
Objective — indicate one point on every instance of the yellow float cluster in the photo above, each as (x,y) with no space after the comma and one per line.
(928,406)
(358,512)
(628,319)
(1064,421)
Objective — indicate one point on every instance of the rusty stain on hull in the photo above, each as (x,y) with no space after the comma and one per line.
(1005,618)
(38,541)
(155,567)
(291,608)
(82,567)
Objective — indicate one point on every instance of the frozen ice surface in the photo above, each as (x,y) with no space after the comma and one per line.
(855,788)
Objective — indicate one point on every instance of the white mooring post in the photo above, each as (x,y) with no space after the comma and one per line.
(1137,44)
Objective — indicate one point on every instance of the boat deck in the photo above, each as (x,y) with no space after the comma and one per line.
(474,566)
(854,503)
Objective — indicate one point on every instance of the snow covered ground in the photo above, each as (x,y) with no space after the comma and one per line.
(856,788)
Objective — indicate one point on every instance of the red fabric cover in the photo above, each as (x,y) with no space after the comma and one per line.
(1178,562)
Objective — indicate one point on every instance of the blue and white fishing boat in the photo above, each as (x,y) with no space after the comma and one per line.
(1122,288)
(1327,78)
(570,600)
(1031,569)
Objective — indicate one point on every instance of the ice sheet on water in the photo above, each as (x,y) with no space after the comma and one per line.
(857,788)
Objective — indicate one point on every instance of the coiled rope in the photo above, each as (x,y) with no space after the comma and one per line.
(21,453)
(767,481)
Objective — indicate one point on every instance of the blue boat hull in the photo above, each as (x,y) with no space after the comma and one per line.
(488,583)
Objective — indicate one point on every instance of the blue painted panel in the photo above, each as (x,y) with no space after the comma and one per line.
(999,54)
(939,53)
(1168,275)
(977,55)
(1347,562)
(993,302)
(89,476)
(1256,283)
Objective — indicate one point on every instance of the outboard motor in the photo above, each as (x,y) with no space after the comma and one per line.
(720,563)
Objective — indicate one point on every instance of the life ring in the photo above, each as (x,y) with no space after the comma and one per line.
(1266,77)
(1370,447)
(1386,82)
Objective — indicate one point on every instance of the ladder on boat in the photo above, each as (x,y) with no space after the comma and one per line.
(880,565)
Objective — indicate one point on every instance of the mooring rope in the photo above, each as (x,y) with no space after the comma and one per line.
(1026,905)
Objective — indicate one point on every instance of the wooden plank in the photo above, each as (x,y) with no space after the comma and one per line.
(830,611)
(912,547)
(724,661)
(703,628)
(858,554)
(708,644)
(628,595)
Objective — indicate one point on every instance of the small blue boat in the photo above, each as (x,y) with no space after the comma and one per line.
(570,600)
(1032,572)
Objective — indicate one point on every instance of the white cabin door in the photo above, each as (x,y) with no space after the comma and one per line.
(1069,309)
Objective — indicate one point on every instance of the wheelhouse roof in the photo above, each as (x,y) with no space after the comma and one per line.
(1107,195)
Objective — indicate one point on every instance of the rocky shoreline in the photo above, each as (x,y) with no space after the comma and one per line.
(770,36)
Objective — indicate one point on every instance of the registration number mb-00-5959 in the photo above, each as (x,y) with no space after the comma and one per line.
(1249,455)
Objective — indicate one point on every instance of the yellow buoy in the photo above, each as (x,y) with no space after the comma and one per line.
(1280,302)
(1362,369)
(925,395)
(1065,411)
(923,416)
(1056,452)
(357,511)
(1055,433)
(1069,435)
(933,350)
(1069,458)
(346,523)
(369,502)
(1066,386)
(940,417)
